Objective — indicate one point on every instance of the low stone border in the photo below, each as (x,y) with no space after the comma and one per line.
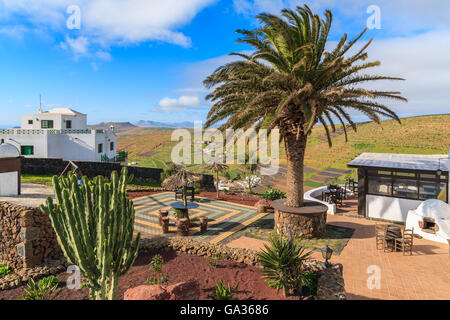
(21,277)
(330,283)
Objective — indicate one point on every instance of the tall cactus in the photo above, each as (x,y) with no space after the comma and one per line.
(94,225)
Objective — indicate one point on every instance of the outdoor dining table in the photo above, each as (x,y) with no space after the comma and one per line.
(326,194)
(393,232)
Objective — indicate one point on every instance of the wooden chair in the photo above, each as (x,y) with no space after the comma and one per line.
(405,243)
(380,236)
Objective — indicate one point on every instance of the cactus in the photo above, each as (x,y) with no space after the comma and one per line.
(94,227)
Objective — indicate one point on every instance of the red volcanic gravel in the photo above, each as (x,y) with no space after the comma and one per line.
(136,194)
(246,199)
(179,267)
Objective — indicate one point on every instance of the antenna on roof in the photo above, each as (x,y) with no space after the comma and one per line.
(40,104)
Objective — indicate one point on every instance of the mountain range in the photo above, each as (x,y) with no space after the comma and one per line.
(153,124)
(124,126)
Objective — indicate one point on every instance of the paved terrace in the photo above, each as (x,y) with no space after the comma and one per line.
(424,275)
(224,218)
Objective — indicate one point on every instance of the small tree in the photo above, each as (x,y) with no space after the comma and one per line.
(216,168)
(94,227)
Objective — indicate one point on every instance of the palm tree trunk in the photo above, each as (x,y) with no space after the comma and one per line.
(295,154)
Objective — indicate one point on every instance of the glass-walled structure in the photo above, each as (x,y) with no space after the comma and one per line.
(389,185)
(407,185)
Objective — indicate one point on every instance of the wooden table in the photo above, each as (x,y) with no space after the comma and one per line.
(393,232)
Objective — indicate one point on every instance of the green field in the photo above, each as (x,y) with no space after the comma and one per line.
(152,147)
(416,135)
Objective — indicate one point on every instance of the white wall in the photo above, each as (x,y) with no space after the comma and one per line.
(38,140)
(9,183)
(389,208)
(79,122)
(81,147)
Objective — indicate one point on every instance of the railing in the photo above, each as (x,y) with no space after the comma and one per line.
(49,131)
(22,131)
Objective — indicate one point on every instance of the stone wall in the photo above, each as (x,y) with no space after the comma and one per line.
(89,168)
(27,237)
(92,169)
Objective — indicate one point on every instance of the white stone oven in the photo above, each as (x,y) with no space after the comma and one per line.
(431,220)
(10,163)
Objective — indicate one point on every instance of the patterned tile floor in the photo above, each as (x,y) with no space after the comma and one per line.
(224,218)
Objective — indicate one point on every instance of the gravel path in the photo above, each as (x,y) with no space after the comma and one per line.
(32,195)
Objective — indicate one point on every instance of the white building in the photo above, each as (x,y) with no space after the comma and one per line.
(61,133)
(390,185)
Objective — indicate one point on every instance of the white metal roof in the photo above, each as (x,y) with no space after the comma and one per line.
(8,151)
(401,161)
(64,111)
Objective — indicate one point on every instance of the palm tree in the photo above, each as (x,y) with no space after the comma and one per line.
(291,83)
(216,168)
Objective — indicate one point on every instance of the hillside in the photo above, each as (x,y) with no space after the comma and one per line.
(156,124)
(417,135)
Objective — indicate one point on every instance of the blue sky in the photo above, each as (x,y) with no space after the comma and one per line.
(145,59)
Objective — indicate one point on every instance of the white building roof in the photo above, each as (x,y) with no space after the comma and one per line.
(64,111)
(401,161)
(8,151)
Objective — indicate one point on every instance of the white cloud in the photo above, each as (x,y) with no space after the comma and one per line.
(175,104)
(397,17)
(79,46)
(108,22)
(422,61)
(15,32)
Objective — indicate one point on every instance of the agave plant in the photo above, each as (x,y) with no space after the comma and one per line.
(223,292)
(291,82)
(282,264)
(43,290)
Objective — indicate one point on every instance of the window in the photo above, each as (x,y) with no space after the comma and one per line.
(408,185)
(30,121)
(379,185)
(68,124)
(27,150)
(432,190)
(47,124)
(111,146)
(405,188)
(100,148)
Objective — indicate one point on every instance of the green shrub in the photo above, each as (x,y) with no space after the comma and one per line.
(224,293)
(309,283)
(158,277)
(273,194)
(282,264)
(170,171)
(44,290)
(5,270)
